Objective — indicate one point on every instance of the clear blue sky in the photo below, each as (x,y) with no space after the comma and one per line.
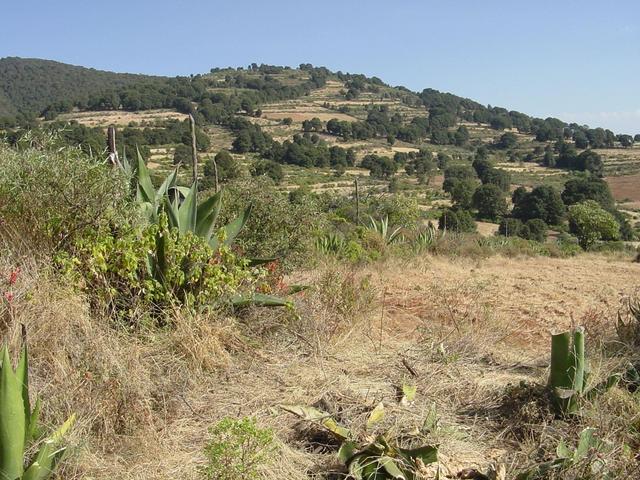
(577,60)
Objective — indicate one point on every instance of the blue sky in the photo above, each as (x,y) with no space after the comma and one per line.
(577,60)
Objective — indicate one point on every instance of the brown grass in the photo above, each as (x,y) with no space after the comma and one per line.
(625,187)
(460,330)
(121,118)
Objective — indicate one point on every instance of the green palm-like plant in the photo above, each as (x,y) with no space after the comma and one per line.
(19,426)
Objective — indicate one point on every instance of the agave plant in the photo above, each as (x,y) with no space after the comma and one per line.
(425,237)
(19,426)
(330,243)
(569,372)
(379,460)
(381,227)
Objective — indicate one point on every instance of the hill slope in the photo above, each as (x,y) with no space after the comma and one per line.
(29,85)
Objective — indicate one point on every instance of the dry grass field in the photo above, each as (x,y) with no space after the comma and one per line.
(625,187)
(121,118)
(461,331)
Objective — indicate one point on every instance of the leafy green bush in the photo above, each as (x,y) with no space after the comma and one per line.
(456,221)
(276,227)
(51,196)
(590,223)
(237,449)
(119,270)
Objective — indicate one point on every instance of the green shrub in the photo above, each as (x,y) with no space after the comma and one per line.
(51,196)
(237,450)
(277,227)
(456,221)
(117,271)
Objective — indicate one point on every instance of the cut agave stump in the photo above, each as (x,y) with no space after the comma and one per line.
(566,378)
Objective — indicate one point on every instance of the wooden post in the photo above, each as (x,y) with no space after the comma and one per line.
(111,146)
(357,202)
(215,174)
(194,151)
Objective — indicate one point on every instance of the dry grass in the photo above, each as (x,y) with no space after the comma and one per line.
(460,330)
(625,187)
(121,118)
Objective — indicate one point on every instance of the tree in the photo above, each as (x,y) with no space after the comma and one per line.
(228,168)
(182,155)
(580,139)
(268,168)
(590,223)
(590,161)
(489,201)
(456,172)
(536,230)
(443,160)
(507,140)
(588,187)
(379,167)
(456,221)
(461,137)
(499,178)
(287,121)
(462,193)
(510,227)
(518,194)
(543,202)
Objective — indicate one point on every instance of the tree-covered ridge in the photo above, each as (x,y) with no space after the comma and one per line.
(28,85)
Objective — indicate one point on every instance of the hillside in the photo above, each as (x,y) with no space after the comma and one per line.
(28,86)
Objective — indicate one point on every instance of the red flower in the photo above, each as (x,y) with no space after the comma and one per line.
(9,296)
(13,276)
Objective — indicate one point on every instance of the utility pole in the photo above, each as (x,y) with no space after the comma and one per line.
(357,202)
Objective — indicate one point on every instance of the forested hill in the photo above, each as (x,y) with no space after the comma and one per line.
(29,85)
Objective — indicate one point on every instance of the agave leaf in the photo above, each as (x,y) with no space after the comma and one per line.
(207,215)
(145,191)
(172,213)
(233,229)
(22,374)
(259,300)
(34,418)
(586,441)
(563,451)
(188,211)
(49,456)
(12,421)
(347,451)
(356,467)
(408,393)
(314,415)
(167,185)
(427,453)
(376,415)
(389,464)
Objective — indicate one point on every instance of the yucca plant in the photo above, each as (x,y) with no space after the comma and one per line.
(381,227)
(569,372)
(19,426)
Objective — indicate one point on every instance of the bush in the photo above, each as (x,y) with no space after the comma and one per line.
(456,221)
(591,223)
(237,450)
(268,168)
(536,230)
(117,274)
(51,196)
(277,227)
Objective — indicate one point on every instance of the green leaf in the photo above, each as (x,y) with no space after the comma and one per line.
(207,215)
(584,444)
(188,211)
(356,467)
(145,191)
(12,421)
(391,468)
(49,455)
(347,451)
(376,415)
(563,451)
(233,229)
(427,453)
(259,300)
(408,393)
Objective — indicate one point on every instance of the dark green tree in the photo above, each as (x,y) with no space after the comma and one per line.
(490,202)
